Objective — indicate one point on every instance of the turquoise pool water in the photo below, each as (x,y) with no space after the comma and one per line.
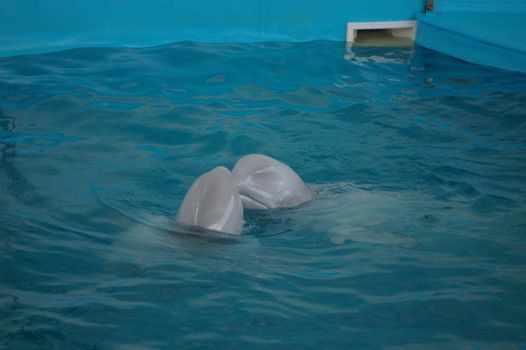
(417,237)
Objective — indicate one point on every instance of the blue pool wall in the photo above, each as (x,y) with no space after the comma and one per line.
(486,6)
(486,32)
(30,26)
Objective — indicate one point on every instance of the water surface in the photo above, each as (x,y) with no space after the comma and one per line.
(416,238)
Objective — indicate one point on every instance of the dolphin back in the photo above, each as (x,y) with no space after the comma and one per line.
(265,183)
(213,202)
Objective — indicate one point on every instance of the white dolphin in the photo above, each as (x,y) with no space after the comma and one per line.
(213,202)
(216,199)
(266,183)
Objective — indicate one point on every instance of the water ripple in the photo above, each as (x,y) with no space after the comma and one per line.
(417,161)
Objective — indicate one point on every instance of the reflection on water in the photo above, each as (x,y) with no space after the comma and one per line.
(13,182)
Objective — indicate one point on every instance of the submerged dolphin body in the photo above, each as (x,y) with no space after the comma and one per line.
(213,202)
(266,183)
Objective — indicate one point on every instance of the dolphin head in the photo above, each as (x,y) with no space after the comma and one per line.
(266,183)
(213,202)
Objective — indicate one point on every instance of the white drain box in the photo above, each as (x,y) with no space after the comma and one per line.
(398,29)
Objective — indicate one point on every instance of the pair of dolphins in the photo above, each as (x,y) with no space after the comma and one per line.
(216,199)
